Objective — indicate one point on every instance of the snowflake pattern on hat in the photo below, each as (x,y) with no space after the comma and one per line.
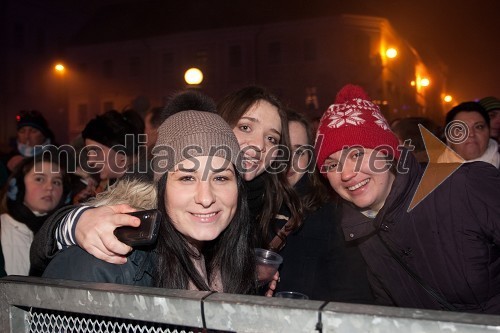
(381,120)
(341,114)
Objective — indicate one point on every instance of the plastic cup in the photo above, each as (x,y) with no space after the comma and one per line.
(290,295)
(268,263)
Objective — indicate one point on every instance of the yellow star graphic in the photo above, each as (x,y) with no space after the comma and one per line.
(435,173)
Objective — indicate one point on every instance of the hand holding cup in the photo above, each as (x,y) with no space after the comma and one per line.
(268,263)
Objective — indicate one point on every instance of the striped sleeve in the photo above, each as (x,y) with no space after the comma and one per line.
(65,232)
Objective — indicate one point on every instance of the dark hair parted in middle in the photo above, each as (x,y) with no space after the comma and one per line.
(277,190)
(231,251)
(467,107)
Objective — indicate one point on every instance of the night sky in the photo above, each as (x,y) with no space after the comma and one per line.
(463,34)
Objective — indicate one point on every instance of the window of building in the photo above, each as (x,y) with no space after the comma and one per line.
(106,106)
(135,66)
(310,49)
(235,56)
(82,67)
(40,41)
(107,68)
(274,53)
(17,78)
(202,58)
(167,62)
(81,114)
(18,36)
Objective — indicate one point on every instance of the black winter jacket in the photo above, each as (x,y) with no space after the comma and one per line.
(319,263)
(451,240)
(44,245)
(73,263)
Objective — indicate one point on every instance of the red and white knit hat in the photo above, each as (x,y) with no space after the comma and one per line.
(353,121)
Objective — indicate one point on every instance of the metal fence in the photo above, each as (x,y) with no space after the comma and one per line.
(40,305)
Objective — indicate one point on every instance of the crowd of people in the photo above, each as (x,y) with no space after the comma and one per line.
(333,200)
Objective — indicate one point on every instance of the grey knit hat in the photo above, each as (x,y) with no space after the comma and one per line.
(189,134)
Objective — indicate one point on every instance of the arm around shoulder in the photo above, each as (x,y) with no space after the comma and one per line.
(76,264)
(44,246)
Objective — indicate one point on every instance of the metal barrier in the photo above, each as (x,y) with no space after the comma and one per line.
(30,304)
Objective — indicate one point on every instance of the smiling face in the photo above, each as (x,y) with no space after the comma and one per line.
(201,197)
(44,187)
(476,143)
(360,176)
(300,156)
(258,132)
(108,162)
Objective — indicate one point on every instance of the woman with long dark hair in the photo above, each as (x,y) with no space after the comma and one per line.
(260,123)
(204,241)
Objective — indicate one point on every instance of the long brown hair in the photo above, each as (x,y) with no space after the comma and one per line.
(278,192)
(231,252)
(317,192)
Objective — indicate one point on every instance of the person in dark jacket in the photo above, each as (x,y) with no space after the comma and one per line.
(112,142)
(260,123)
(261,127)
(32,138)
(137,191)
(317,261)
(442,253)
(204,239)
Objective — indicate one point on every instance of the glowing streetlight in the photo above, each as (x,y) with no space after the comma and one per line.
(448,98)
(425,82)
(59,68)
(193,76)
(391,53)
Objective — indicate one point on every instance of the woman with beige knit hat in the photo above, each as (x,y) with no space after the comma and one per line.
(259,123)
(204,240)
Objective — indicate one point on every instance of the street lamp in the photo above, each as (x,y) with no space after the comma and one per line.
(389,77)
(447,98)
(391,53)
(59,68)
(193,76)
(424,82)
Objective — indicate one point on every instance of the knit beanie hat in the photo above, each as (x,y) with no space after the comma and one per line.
(189,134)
(490,103)
(35,119)
(353,121)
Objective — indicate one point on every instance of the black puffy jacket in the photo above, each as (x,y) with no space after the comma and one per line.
(451,240)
